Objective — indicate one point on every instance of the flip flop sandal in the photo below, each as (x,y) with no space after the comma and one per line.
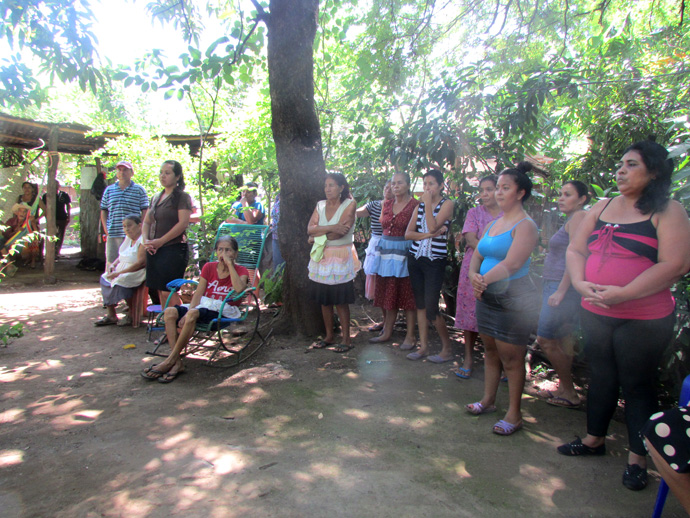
(169,377)
(437,358)
(341,348)
(407,347)
(105,321)
(464,373)
(415,356)
(321,344)
(375,328)
(562,402)
(478,409)
(505,428)
(545,394)
(151,374)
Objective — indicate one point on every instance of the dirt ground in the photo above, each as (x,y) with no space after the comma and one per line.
(290,433)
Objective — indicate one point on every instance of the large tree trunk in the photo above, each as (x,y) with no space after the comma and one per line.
(89,216)
(297,135)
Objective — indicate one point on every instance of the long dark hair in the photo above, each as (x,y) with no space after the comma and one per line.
(655,195)
(177,170)
(339,178)
(519,175)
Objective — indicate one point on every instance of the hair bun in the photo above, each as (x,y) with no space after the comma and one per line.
(524,167)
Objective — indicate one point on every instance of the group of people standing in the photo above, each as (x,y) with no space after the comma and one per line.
(608,270)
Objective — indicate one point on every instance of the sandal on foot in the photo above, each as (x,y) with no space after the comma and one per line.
(105,321)
(375,328)
(437,358)
(415,356)
(379,340)
(577,449)
(477,408)
(170,376)
(561,401)
(545,394)
(321,344)
(407,347)
(341,348)
(125,321)
(150,373)
(505,428)
(463,373)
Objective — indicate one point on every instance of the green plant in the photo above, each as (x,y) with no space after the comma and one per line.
(8,332)
(272,284)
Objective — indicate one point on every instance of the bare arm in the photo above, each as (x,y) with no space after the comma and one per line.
(577,253)
(435,223)
(524,240)
(347,219)
(362,212)
(557,297)
(239,282)
(141,263)
(177,230)
(104,220)
(673,233)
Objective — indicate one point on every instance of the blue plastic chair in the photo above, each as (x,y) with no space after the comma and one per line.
(684,400)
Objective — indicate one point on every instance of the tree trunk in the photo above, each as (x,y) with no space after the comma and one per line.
(89,217)
(297,135)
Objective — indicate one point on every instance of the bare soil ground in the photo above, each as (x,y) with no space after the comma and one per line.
(290,433)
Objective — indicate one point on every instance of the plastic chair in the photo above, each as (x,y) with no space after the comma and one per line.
(661,495)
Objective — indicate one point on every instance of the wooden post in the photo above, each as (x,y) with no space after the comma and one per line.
(51,227)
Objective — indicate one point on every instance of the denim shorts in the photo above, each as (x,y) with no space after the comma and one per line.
(206,316)
(562,320)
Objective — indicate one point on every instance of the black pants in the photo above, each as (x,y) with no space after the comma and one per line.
(623,354)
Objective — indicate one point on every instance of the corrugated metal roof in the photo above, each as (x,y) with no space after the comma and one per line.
(72,138)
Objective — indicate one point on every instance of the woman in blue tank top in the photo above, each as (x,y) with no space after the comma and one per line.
(507,302)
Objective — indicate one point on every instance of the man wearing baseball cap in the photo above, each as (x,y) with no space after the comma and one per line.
(248,211)
(121,199)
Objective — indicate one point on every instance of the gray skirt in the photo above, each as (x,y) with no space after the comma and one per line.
(112,295)
(509,310)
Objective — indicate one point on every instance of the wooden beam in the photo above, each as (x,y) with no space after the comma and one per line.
(51,227)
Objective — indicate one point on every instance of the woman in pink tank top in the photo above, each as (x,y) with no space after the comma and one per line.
(626,255)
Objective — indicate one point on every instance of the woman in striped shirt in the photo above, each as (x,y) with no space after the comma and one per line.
(427,263)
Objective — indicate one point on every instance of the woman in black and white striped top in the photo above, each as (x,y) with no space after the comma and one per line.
(427,263)
(372,210)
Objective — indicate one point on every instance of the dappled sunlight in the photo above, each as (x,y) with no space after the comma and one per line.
(55,405)
(421,422)
(356,413)
(198,403)
(538,484)
(77,418)
(423,409)
(11,458)
(124,505)
(253,375)
(325,470)
(12,415)
(174,441)
(352,375)
(254,395)
(86,374)
(461,470)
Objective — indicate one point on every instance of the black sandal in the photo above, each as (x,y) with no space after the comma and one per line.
(341,348)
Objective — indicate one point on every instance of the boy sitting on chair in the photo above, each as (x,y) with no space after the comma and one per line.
(218,278)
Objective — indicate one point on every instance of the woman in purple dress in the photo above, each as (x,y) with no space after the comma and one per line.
(476,221)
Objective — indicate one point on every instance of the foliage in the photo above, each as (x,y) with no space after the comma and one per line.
(218,205)
(147,153)
(59,37)
(9,332)
(272,285)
